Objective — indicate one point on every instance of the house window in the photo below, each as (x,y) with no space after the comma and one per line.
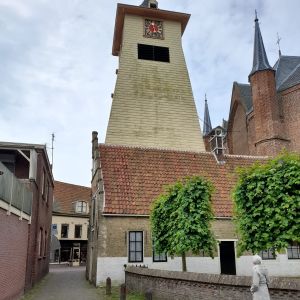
(78,230)
(293,251)
(45,243)
(81,207)
(159,257)
(64,230)
(40,242)
(135,246)
(268,254)
(47,191)
(156,53)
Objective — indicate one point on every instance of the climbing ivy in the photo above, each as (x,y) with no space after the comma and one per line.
(267,204)
(181,219)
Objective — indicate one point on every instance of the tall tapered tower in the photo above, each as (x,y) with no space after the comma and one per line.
(153,104)
(270,137)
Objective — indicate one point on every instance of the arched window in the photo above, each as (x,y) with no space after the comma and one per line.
(81,207)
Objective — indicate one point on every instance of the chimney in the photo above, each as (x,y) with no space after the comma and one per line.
(94,143)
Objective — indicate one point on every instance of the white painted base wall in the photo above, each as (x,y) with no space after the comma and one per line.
(113,267)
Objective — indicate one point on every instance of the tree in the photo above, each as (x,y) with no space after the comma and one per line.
(267,204)
(181,217)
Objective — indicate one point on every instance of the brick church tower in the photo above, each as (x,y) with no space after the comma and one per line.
(153,104)
(269,127)
(264,115)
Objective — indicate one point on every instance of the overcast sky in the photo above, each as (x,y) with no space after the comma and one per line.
(57,72)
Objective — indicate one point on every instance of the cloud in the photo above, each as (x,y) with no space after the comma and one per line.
(57,71)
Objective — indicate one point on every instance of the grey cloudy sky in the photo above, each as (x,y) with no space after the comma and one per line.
(57,72)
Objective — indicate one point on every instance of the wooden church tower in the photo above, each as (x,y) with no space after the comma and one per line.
(153,104)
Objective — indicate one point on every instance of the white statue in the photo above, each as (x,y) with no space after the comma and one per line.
(260,280)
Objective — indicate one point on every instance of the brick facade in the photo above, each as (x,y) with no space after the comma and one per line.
(291,112)
(270,137)
(32,169)
(38,264)
(113,232)
(168,285)
(273,123)
(13,255)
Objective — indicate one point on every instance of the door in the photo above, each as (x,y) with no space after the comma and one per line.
(227,257)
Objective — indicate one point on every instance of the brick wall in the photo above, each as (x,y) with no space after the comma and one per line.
(113,234)
(291,112)
(38,265)
(269,128)
(13,254)
(238,136)
(172,285)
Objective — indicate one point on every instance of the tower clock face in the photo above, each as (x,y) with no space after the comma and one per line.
(153,29)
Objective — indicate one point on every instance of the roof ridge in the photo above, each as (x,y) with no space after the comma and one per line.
(183,151)
(82,186)
(246,156)
(152,148)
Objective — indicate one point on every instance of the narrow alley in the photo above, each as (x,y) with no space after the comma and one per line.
(62,283)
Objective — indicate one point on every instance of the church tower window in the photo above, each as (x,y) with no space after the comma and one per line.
(156,53)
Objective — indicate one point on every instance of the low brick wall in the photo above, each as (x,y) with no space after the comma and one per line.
(173,285)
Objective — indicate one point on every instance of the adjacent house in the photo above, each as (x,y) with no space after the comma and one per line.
(26,196)
(70,222)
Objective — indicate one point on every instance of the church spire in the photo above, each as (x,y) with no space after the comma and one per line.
(260,60)
(206,123)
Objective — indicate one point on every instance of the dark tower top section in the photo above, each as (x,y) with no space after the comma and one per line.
(150,4)
(207,124)
(260,60)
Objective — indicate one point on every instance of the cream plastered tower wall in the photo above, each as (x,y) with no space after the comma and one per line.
(153,103)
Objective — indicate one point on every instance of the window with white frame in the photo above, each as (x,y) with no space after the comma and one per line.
(293,250)
(81,207)
(135,246)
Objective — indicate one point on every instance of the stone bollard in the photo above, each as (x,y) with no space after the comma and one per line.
(108,286)
(148,295)
(123,292)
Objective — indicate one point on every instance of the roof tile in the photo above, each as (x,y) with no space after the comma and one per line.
(65,194)
(133,177)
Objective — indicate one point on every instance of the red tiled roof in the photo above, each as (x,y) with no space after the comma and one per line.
(133,177)
(65,194)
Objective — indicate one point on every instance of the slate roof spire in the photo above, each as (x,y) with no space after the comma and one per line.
(260,60)
(206,123)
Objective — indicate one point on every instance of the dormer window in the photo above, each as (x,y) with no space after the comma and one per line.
(81,207)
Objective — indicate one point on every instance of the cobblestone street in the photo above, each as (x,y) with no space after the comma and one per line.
(65,282)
